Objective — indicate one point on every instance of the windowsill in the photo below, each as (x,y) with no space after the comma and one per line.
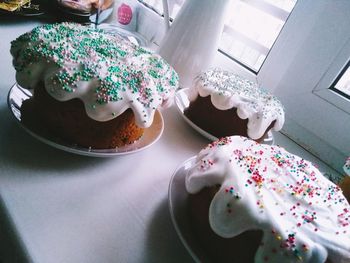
(291,146)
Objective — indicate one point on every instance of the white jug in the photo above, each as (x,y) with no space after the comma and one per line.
(192,40)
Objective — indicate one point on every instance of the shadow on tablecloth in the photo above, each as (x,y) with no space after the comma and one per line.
(163,244)
(18,148)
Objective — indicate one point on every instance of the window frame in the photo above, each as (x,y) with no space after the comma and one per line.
(308,56)
(268,8)
(333,88)
(332,94)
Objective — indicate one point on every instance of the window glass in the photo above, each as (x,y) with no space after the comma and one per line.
(251,28)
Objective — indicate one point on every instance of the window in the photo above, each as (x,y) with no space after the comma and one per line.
(251,27)
(309,57)
(342,83)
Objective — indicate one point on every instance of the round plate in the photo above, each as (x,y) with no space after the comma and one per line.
(178,198)
(26,11)
(103,14)
(182,102)
(133,37)
(72,8)
(17,95)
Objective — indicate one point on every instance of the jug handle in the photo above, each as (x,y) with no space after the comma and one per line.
(166,14)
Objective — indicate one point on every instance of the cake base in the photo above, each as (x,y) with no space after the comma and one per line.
(69,121)
(345,186)
(219,123)
(239,249)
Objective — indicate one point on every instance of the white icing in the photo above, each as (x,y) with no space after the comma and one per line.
(346,166)
(120,75)
(228,90)
(304,216)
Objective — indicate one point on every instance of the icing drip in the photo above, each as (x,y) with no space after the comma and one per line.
(108,73)
(303,215)
(228,90)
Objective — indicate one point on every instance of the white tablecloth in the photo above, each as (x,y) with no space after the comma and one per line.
(60,207)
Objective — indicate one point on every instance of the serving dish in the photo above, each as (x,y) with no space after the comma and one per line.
(17,95)
(182,102)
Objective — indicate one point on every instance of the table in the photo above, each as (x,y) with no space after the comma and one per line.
(60,207)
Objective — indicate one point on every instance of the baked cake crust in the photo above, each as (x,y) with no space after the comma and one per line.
(220,123)
(345,182)
(224,104)
(68,120)
(110,87)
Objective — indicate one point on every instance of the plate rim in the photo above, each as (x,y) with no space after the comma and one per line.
(114,28)
(79,150)
(178,102)
(178,173)
(20,12)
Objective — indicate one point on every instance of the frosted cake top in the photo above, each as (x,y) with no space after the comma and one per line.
(228,90)
(304,216)
(108,73)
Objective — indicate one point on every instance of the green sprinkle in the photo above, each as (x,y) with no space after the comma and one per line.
(83,53)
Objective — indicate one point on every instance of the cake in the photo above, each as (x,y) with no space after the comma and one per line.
(89,87)
(251,202)
(345,182)
(225,104)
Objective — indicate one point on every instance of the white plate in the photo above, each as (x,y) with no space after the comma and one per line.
(17,95)
(178,198)
(182,102)
(33,9)
(133,37)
